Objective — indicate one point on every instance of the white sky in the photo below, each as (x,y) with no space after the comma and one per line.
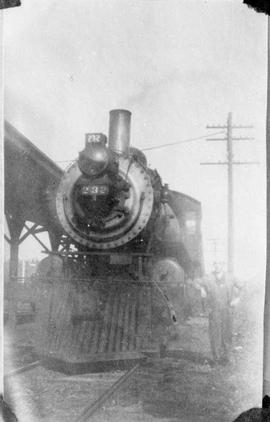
(177,66)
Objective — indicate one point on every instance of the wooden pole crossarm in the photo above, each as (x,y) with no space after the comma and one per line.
(226,162)
(225,139)
(245,162)
(232,127)
(210,163)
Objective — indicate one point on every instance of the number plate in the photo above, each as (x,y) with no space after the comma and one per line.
(94,138)
(95,190)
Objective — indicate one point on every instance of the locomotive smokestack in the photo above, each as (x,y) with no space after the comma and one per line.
(119,131)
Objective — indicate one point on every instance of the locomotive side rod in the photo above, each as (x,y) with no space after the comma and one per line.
(90,410)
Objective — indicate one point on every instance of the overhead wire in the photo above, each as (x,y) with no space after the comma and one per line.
(181,142)
(166,145)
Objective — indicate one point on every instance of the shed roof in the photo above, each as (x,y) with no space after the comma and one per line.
(31,180)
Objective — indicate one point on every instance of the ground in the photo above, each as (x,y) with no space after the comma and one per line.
(180,387)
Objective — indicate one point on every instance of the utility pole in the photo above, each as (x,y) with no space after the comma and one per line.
(230,196)
(230,163)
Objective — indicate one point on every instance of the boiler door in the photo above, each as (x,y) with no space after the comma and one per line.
(117,228)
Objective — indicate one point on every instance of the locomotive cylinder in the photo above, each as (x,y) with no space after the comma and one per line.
(119,131)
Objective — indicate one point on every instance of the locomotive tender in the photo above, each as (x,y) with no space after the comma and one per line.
(122,244)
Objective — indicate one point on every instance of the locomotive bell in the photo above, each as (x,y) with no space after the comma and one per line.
(138,155)
(94,159)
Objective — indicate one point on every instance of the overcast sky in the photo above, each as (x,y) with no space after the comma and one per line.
(177,66)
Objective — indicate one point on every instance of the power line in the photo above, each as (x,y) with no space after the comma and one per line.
(180,142)
(164,145)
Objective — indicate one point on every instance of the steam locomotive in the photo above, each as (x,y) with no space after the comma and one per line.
(123,244)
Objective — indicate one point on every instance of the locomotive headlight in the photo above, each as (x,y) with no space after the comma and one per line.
(94,159)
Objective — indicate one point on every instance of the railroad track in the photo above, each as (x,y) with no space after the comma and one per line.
(90,410)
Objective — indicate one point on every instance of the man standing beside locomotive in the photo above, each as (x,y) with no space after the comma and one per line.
(222,295)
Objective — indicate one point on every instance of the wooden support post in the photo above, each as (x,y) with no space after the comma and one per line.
(15,224)
(13,274)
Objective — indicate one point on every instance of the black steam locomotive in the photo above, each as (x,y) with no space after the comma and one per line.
(123,244)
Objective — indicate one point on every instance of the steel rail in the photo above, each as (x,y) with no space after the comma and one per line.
(90,410)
